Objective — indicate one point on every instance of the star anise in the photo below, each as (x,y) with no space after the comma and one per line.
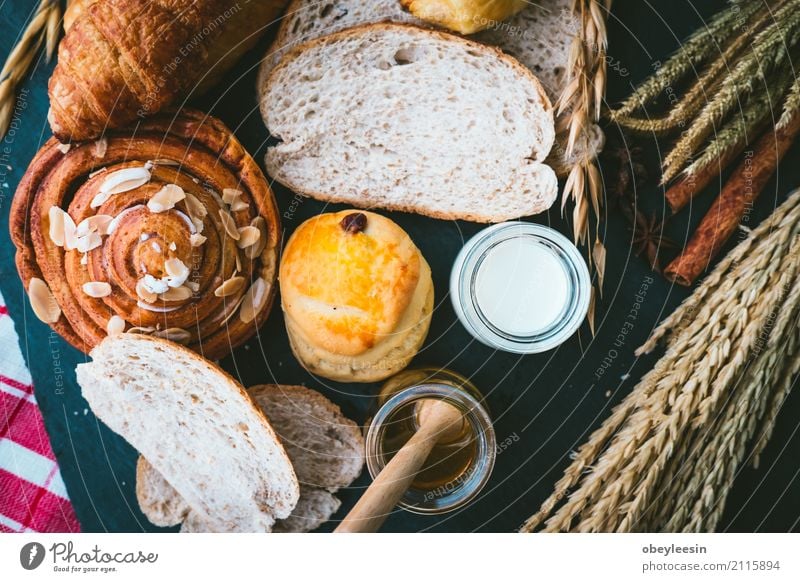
(648,231)
(649,239)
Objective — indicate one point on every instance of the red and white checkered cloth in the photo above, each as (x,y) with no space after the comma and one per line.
(32,494)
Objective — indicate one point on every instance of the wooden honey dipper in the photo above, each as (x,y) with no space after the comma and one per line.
(437,421)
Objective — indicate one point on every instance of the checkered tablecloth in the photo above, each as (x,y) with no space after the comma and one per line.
(32,494)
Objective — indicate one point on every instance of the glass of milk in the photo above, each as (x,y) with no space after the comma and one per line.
(520,287)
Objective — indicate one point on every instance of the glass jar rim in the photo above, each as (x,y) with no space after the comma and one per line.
(478,473)
(469,312)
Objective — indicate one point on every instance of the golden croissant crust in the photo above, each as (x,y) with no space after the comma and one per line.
(124,59)
(172,231)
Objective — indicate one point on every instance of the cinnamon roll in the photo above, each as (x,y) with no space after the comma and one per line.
(170,231)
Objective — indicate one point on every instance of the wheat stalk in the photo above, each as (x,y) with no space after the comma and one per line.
(43,28)
(704,85)
(579,106)
(756,111)
(703,400)
(697,49)
(769,51)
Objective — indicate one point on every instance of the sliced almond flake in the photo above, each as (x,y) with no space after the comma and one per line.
(70,238)
(239,205)
(232,310)
(98,172)
(100,148)
(116,325)
(175,334)
(166,198)
(156,308)
(118,218)
(97,289)
(229,195)
(229,224)
(177,272)
(142,330)
(63,147)
(238,263)
(91,241)
(196,208)
(119,182)
(56,217)
(156,246)
(198,224)
(150,286)
(254,301)
(230,287)
(144,293)
(173,247)
(85,259)
(99,223)
(254,251)
(193,285)
(248,236)
(43,302)
(197,240)
(177,294)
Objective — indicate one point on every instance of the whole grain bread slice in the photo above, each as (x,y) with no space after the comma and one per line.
(405,118)
(325,447)
(196,426)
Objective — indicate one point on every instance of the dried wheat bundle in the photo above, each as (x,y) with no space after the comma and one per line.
(44,27)
(744,52)
(666,458)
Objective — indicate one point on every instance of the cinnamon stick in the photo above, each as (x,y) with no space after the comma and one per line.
(739,192)
(688,186)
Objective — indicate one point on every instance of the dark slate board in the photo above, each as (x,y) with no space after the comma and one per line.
(547,403)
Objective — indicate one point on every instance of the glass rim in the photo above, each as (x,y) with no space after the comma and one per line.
(469,312)
(478,473)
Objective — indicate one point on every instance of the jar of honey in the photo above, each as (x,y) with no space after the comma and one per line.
(458,467)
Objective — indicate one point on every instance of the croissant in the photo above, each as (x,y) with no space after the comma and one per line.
(121,60)
(170,231)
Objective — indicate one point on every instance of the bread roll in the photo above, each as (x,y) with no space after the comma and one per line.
(357,296)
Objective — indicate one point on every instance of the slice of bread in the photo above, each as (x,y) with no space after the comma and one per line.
(326,449)
(196,426)
(309,19)
(158,500)
(316,506)
(411,119)
(539,37)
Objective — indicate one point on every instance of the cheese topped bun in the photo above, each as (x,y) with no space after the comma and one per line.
(357,296)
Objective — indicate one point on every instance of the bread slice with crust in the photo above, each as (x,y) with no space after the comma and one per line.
(196,426)
(539,37)
(325,447)
(411,119)
(158,500)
